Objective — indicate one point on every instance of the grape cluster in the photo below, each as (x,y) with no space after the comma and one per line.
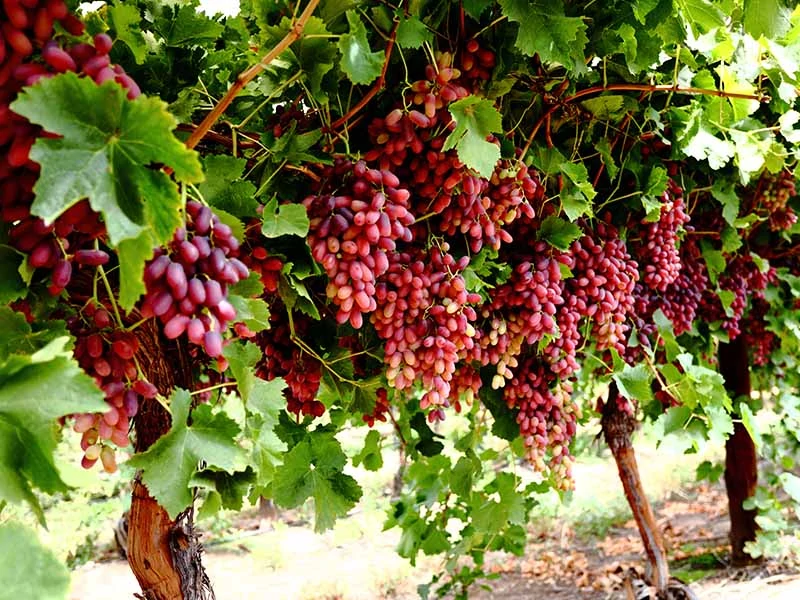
(761,342)
(352,233)
(547,416)
(107,353)
(773,195)
(602,288)
(27,24)
(742,278)
(522,311)
(187,283)
(381,408)
(657,249)
(424,316)
(679,302)
(409,141)
(281,357)
(476,63)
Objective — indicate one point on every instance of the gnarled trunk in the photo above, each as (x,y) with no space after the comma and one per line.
(164,554)
(617,429)
(741,463)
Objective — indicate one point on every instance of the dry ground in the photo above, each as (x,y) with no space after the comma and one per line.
(356,561)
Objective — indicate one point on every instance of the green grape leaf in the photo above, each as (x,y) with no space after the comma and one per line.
(720,423)
(427,445)
(370,456)
(770,18)
(253,312)
(124,22)
(715,262)
(559,233)
(286,219)
(544,29)
(169,464)
(242,358)
(475,8)
(133,254)
(105,152)
(476,119)
(359,63)
(313,469)
(791,485)
(702,13)
(604,148)
(36,389)
(751,425)
(314,55)
(264,406)
(726,195)
(12,286)
(634,383)
(224,490)
(577,192)
(223,187)
(505,425)
(412,33)
(187,26)
(34,572)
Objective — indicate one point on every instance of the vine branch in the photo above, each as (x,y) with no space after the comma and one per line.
(376,87)
(248,75)
(633,87)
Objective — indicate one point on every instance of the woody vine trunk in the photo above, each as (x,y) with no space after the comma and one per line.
(164,554)
(741,466)
(617,429)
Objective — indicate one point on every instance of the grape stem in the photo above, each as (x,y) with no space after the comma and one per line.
(211,388)
(248,75)
(633,87)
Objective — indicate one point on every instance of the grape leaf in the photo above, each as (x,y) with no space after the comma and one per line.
(286,219)
(224,490)
(169,464)
(107,146)
(370,455)
(702,13)
(314,55)
(476,119)
(124,22)
(223,187)
(751,424)
(558,232)
(791,485)
(313,469)
(133,254)
(770,18)
(544,29)
(634,383)
(185,25)
(475,8)
(34,572)
(12,286)
(35,390)
(253,312)
(412,33)
(359,63)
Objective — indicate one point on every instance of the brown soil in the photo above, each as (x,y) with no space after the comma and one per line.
(358,563)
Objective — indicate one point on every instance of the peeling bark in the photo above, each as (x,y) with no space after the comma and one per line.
(741,461)
(164,554)
(617,429)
